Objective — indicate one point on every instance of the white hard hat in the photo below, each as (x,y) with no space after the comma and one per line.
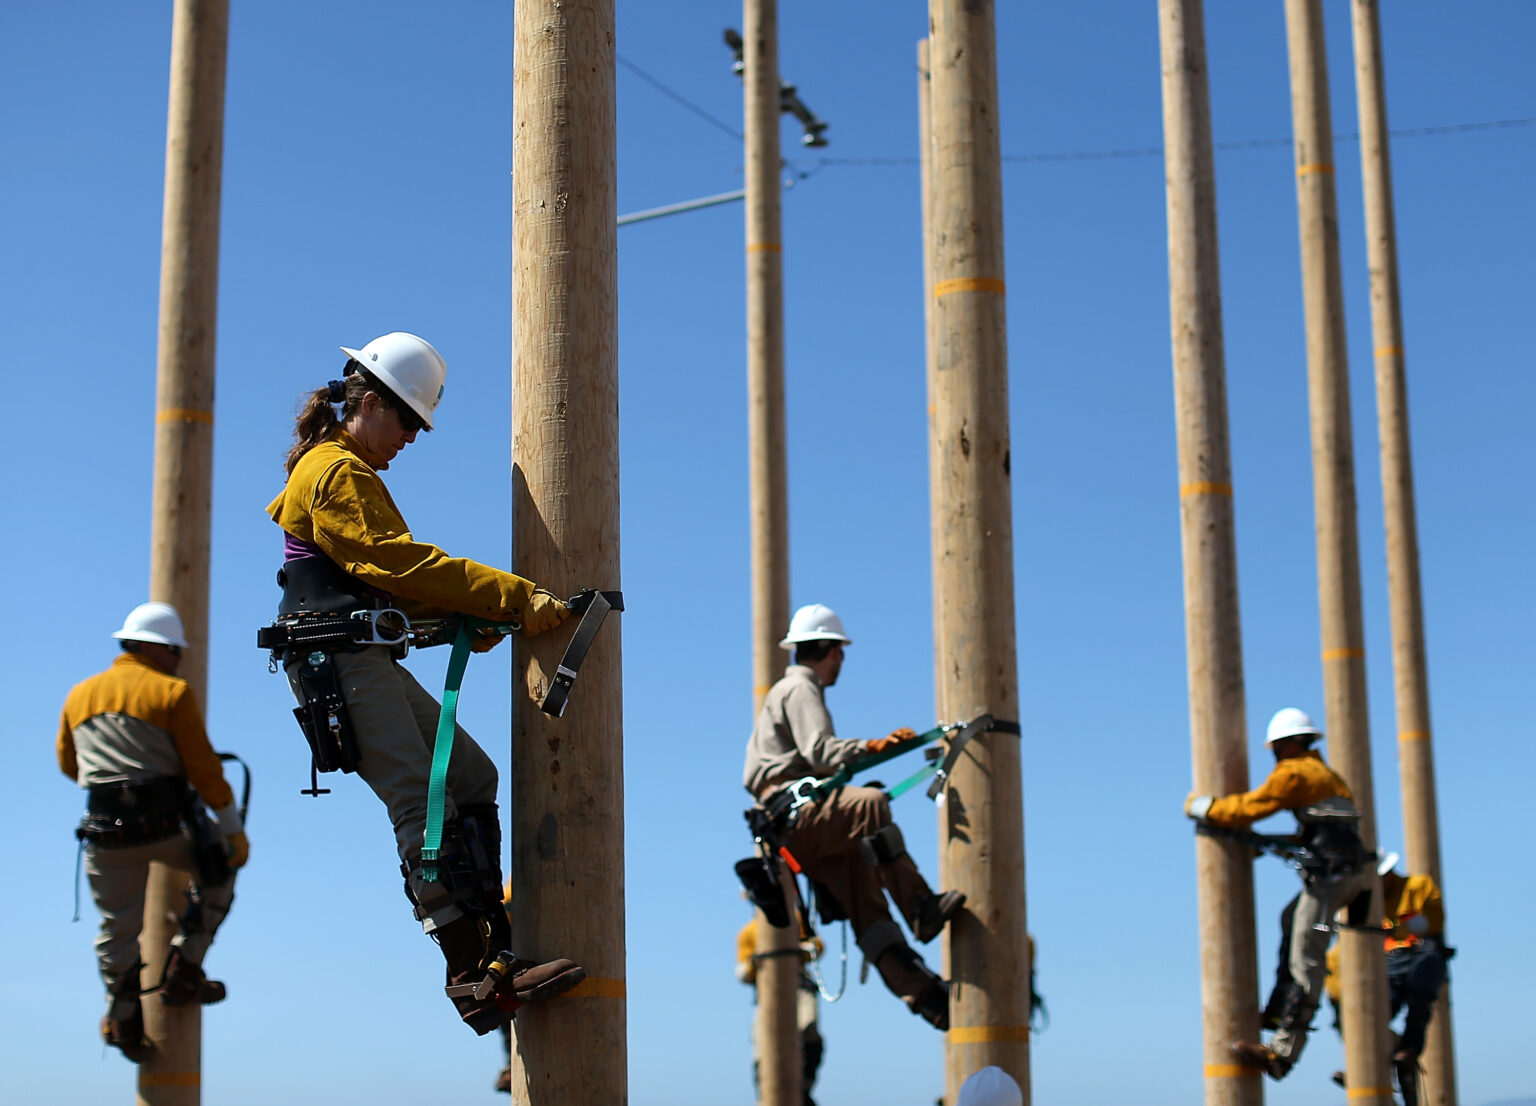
(1385,862)
(409,366)
(814,622)
(154,622)
(1290,722)
(991,1086)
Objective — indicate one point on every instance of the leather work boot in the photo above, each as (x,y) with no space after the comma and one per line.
(934,914)
(517,981)
(504,1081)
(1261,1057)
(932,1005)
(123,1026)
(185,982)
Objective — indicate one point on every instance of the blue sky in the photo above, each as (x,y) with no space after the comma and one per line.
(366,189)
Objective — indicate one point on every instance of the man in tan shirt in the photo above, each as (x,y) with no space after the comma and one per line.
(133,737)
(847,843)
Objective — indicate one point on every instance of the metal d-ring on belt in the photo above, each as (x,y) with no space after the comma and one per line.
(593,606)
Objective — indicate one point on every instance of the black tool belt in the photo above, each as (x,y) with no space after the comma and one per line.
(122,814)
(1331,851)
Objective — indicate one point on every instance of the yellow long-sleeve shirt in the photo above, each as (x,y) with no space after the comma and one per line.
(1296,782)
(1406,898)
(134,721)
(336,500)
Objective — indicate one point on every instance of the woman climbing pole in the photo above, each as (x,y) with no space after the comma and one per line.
(347,550)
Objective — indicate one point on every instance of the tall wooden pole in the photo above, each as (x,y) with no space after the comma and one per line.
(1363,965)
(567,773)
(1416,764)
(1213,635)
(981,831)
(182,505)
(778,975)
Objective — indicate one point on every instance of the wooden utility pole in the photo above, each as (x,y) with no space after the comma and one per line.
(777,1033)
(1363,965)
(981,826)
(567,773)
(1416,763)
(1212,633)
(182,504)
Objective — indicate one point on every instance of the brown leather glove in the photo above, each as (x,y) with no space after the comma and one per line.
(239,847)
(894,738)
(544,612)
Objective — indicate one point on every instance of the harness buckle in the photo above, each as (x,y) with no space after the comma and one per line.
(386,626)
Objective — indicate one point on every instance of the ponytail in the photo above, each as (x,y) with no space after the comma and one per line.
(318,420)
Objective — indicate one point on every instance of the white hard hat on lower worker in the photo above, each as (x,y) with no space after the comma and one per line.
(814,622)
(153,622)
(1291,722)
(408,366)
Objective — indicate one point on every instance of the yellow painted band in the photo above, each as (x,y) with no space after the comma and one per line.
(170,1078)
(1389,351)
(1231,1071)
(1303,170)
(764,247)
(597,987)
(184,414)
(1205,487)
(1413,735)
(981,1034)
(1370,1092)
(1342,654)
(762,689)
(968,284)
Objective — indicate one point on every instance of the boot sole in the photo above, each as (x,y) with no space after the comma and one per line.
(552,987)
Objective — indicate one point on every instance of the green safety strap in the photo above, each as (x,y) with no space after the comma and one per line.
(442,750)
(841,777)
(913,780)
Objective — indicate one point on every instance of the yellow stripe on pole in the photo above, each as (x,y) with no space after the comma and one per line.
(982,1034)
(764,247)
(1389,351)
(595,986)
(1204,487)
(1413,735)
(1231,1071)
(1370,1092)
(184,414)
(1342,654)
(170,1078)
(1303,170)
(968,284)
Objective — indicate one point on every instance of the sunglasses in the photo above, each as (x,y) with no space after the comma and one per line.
(410,421)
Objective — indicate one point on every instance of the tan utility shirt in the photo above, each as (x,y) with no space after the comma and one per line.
(336,500)
(794,736)
(1296,782)
(133,722)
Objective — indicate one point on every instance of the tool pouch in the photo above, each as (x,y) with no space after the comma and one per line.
(323,717)
(758,877)
(210,858)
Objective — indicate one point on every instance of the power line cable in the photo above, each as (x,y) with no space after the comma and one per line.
(1157,151)
(679,98)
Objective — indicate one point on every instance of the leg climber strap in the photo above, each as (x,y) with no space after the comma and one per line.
(442,752)
(883,846)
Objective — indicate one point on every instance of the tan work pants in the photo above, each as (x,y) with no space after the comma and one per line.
(825,840)
(395,721)
(1320,900)
(118,877)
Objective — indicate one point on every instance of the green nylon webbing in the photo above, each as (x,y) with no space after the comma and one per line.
(913,780)
(859,764)
(442,750)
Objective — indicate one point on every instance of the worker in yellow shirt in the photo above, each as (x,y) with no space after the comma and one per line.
(1414,940)
(812,1047)
(347,552)
(1337,875)
(133,737)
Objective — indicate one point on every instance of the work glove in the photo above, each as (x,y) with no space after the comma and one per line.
(543,612)
(238,846)
(894,738)
(1198,806)
(483,641)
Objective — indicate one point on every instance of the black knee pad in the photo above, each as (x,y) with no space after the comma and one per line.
(883,846)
